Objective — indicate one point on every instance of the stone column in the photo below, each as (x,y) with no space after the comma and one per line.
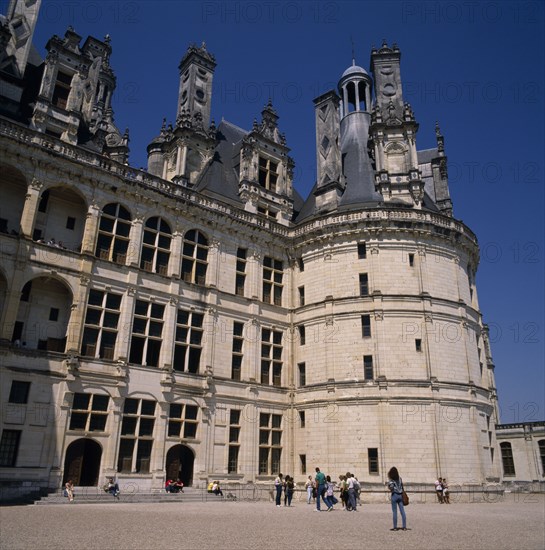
(30,209)
(135,241)
(76,321)
(169,327)
(91,229)
(254,275)
(175,260)
(125,325)
(214,251)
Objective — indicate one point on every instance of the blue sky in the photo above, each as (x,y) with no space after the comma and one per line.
(476,67)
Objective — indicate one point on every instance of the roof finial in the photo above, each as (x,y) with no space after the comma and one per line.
(353,55)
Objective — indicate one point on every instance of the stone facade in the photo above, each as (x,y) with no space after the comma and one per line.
(199,319)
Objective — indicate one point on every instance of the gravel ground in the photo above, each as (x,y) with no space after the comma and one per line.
(517,522)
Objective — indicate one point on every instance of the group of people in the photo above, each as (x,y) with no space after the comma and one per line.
(442,491)
(172,486)
(321,488)
(287,485)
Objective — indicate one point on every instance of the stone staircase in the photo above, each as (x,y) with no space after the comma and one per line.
(95,495)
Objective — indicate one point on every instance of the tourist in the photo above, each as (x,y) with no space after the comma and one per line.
(216,489)
(309,485)
(395,484)
(179,486)
(439,489)
(330,497)
(343,487)
(169,485)
(446,492)
(320,488)
(69,490)
(289,488)
(113,488)
(352,483)
(278,483)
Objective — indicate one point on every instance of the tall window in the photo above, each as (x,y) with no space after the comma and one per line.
(303,463)
(113,234)
(18,392)
(268,173)
(301,295)
(9,447)
(366,326)
(147,332)
(62,90)
(240,277)
(271,357)
(156,246)
(507,459)
(368,367)
(302,374)
(194,257)
(182,421)
(301,264)
(188,341)
(234,441)
(372,458)
(302,335)
(237,355)
(89,412)
(541,445)
(362,251)
(272,281)
(270,443)
(364,284)
(101,320)
(302,419)
(136,436)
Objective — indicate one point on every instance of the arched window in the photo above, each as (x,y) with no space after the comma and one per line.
(156,246)
(194,257)
(507,459)
(113,234)
(541,445)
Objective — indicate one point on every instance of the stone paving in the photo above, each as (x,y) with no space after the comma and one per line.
(511,522)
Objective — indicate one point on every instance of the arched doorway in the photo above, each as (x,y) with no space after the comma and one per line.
(180,464)
(82,463)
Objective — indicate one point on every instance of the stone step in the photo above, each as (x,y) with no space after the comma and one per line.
(86,495)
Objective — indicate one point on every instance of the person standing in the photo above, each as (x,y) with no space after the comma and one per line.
(320,488)
(309,485)
(290,488)
(439,489)
(278,483)
(395,484)
(352,503)
(330,497)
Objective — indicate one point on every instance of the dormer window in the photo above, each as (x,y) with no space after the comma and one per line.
(268,173)
(62,90)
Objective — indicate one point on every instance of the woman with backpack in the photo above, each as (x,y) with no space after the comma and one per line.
(395,484)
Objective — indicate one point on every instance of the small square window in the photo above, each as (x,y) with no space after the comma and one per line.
(54,314)
(19,392)
(70,222)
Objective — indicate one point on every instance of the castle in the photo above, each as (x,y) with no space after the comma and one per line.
(200,319)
